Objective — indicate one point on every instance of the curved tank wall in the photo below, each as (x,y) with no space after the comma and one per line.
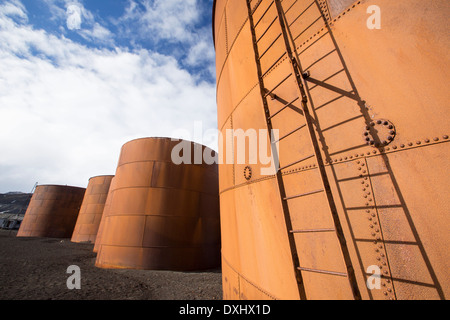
(360,189)
(91,210)
(52,212)
(105,214)
(161,215)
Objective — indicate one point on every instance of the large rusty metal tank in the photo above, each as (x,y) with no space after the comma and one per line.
(91,210)
(52,212)
(358,206)
(161,215)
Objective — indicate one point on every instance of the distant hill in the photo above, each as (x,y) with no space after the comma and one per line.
(14,202)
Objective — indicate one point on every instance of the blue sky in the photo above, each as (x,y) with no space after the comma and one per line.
(79,78)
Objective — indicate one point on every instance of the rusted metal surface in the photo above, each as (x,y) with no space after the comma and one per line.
(161,215)
(52,212)
(105,214)
(91,210)
(378,105)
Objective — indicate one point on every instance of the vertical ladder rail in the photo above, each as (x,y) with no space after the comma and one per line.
(287,217)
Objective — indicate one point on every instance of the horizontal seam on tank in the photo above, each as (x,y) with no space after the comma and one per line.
(55,215)
(155,215)
(238,104)
(171,188)
(247,183)
(266,178)
(248,281)
(245,96)
(208,166)
(293,171)
(95,194)
(299,169)
(58,200)
(228,51)
(159,247)
(378,152)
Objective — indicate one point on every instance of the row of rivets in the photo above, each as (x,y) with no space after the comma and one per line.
(324,9)
(343,13)
(374,227)
(307,167)
(390,148)
(360,155)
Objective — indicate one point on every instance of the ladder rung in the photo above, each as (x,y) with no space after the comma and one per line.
(256,6)
(286,12)
(264,33)
(322,83)
(341,274)
(313,43)
(308,27)
(312,230)
(298,161)
(270,68)
(262,16)
(279,84)
(288,134)
(303,194)
(270,46)
(284,107)
(302,14)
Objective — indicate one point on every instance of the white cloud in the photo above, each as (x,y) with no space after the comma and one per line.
(164,19)
(73,17)
(172,21)
(13,9)
(98,34)
(78,19)
(65,109)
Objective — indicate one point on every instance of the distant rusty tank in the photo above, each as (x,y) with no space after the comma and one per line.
(91,210)
(355,94)
(162,215)
(52,212)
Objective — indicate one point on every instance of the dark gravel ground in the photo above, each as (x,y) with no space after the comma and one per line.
(36,269)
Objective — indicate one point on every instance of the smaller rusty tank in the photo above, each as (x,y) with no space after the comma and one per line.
(104,215)
(161,216)
(52,212)
(92,209)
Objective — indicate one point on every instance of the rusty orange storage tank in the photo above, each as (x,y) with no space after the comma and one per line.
(162,215)
(52,212)
(91,210)
(356,93)
(105,214)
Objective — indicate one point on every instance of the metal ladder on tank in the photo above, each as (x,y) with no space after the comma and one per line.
(376,142)
(309,126)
